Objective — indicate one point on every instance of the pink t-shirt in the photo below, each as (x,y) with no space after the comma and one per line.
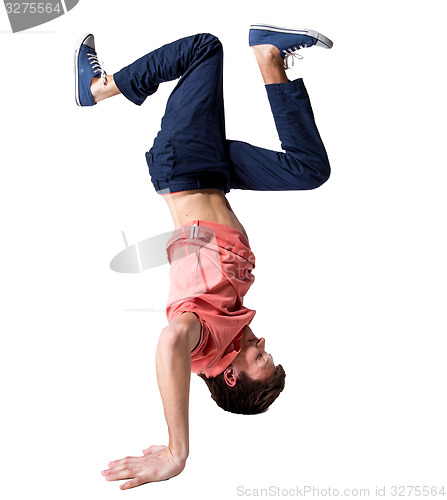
(211,271)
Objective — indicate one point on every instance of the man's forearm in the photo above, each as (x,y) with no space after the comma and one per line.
(159,463)
(173,360)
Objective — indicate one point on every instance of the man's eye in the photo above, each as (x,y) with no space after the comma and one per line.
(260,356)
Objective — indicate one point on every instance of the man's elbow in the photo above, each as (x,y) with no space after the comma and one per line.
(172,335)
(177,336)
(184,329)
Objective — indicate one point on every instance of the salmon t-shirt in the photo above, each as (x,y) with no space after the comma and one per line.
(211,271)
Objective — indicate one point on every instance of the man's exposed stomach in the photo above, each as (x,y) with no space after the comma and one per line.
(202,204)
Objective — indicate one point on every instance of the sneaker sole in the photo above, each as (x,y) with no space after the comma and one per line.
(76,55)
(318,36)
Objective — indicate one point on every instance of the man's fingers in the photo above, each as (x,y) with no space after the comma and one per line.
(131,484)
(122,474)
(123,461)
(114,469)
(117,466)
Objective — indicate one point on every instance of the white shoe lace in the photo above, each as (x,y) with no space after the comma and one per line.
(96,67)
(292,54)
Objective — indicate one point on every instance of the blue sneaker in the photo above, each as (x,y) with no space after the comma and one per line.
(86,67)
(287,41)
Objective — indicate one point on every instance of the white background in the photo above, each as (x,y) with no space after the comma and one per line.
(350,278)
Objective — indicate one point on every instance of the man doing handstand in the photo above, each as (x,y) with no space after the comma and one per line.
(193,166)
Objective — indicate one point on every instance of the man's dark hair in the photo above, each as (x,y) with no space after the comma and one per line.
(247,396)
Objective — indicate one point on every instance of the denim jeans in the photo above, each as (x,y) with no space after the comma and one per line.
(191,150)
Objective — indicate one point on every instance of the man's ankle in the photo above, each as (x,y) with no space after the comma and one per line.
(102,91)
(270,63)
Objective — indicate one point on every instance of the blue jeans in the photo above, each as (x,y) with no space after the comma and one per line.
(191,150)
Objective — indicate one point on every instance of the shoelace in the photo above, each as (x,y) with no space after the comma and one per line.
(96,67)
(292,53)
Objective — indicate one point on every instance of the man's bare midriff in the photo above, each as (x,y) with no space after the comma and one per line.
(202,204)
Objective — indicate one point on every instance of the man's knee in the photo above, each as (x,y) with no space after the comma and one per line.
(211,40)
(322,173)
(311,174)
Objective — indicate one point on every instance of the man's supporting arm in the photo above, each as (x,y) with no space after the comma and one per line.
(173,375)
(173,360)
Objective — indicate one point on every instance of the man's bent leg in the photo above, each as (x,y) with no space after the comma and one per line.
(141,79)
(304,165)
(189,152)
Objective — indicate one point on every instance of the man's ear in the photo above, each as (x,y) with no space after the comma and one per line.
(230,376)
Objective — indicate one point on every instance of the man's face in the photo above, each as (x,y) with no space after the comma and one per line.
(252,358)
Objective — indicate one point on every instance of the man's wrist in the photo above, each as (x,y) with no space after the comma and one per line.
(179,453)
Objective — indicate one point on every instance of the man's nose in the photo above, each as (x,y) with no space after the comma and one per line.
(261,342)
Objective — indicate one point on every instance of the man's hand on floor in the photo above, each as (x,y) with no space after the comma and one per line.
(157,464)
